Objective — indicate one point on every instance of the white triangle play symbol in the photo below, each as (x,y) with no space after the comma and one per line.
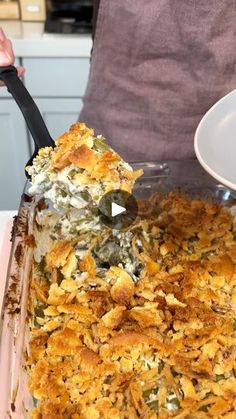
(116,209)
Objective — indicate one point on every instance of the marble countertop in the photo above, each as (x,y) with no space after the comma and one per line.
(30,40)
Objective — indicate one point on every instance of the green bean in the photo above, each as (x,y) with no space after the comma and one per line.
(100,145)
(219,377)
(160,366)
(154,405)
(85,195)
(204,408)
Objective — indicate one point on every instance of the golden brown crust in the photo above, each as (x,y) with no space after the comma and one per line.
(109,347)
(83,157)
(67,144)
(58,254)
(104,164)
(113,318)
(123,288)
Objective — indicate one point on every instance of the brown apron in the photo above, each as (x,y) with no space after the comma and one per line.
(157,66)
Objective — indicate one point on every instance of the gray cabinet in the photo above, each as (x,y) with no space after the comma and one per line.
(58,113)
(14,153)
(57,86)
(56,77)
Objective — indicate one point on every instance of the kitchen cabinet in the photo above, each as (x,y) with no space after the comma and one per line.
(57,86)
(56,77)
(14,153)
(58,114)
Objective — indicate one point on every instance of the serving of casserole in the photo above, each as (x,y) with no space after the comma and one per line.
(131,323)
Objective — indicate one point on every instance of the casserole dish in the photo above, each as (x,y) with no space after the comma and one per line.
(15,399)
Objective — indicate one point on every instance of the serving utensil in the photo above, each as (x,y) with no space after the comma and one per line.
(29,109)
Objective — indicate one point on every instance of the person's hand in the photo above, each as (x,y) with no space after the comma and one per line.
(7,55)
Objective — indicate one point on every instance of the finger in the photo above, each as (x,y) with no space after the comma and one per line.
(6,50)
(7,44)
(5,59)
(6,53)
(20,71)
(2,35)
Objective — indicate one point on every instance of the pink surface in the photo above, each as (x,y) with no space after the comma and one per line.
(5,250)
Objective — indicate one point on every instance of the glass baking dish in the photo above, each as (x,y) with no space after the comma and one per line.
(15,400)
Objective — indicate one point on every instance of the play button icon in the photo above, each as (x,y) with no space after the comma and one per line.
(117,209)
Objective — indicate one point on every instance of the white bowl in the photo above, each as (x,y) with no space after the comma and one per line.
(215,141)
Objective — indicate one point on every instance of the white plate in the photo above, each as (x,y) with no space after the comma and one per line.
(215,141)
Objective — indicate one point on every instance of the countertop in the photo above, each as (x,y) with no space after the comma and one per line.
(6,221)
(30,40)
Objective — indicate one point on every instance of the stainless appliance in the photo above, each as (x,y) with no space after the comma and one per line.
(73,16)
